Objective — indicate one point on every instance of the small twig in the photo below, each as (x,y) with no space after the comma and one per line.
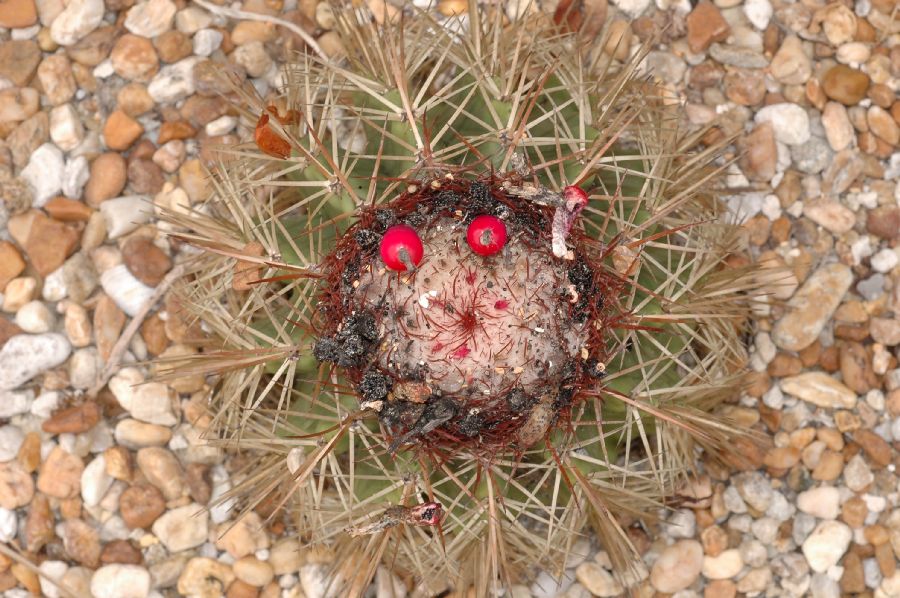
(25,562)
(121,345)
(252,16)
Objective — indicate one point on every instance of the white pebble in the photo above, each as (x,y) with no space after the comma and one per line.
(11,439)
(24,356)
(66,129)
(95,481)
(129,293)
(124,214)
(884,261)
(826,545)
(55,286)
(822,502)
(8,525)
(120,581)
(151,18)
(34,317)
(174,82)
(207,41)
(79,18)
(75,177)
(758,12)
(790,122)
(44,173)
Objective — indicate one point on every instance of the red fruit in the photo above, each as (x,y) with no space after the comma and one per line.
(486,235)
(401,248)
(574,196)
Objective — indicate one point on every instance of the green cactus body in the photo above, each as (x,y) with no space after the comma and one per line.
(413,110)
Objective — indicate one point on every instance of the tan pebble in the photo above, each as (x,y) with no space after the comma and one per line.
(57,81)
(253,571)
(120,131)
(60,474)
(134,58)
(134,99)
(11,263)
(19,291)
(15,14)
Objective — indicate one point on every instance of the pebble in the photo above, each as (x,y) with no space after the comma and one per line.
(84,367)
(884,261)
(845,85)
(257,573)
(60,474)
(885,330)
(120,581)
(18,104)
(125,214)
(883,124)
(8,525)
(811,307)
(135,434)
(633,8)
(705,25)
(813,156)
(141,505)
(52,571)
(128,292)
(16,485)
(174,82)
(75,176)
(77,19)
(24,356)
(747,58)
(790,122)
(120,131)
(838,128)
(66,129)
(134,58)
(825,546)
(95,481)
(724,566)
(677,567)
(759,13)
(11,439)
(205,577)
(207,41)
(34,317)
(151,18)
(44,173)
(822,502)
(819,389)
(243,537)
(285,556)
(597,580)
(107,179)
(16,14)
(77,419)
(162,469)
(253,58)
(183,527)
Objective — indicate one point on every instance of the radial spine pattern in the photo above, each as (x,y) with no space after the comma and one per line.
(465,404)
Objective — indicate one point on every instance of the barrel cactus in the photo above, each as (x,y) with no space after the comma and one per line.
(467,299)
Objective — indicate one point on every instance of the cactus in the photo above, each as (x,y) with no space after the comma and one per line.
(468,415)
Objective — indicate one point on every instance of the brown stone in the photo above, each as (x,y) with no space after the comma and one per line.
(29,456)
(119,463)
(11,263)
(68,210)
(178,129)
(854,511)
(852,581)
(759,153)
(55,75)
(746,87)
(108,323)
(198,483)
(93,48)
(782,458)
(134,99)
(845,85)
(241,589)
(16,485)
(884,222)
(856,368)
(145,176)
(147,262)
(784,364)
(82,542)
(705,25)
(60,474)
(27,137)
(720,588)
(49,243)
(19,60)
(121,551)
(141,505)
(884,556)
(173,45)
(153,331)
(73,420)
(875,447)
(39,524)
(107,179)
(15,14)
(134,58)
(829,467)
(200,111)
(120,130)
